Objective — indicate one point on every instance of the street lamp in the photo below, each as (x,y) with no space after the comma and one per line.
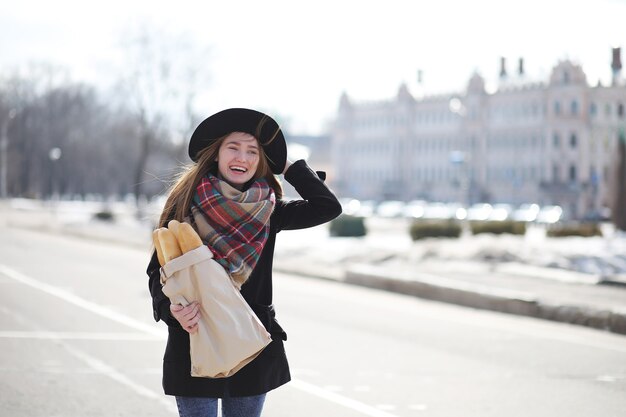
(54,155)
(455,105)
(4,149)
(460,158)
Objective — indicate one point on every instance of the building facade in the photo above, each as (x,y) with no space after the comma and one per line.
(550,142)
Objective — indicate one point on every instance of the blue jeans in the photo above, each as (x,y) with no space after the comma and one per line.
(231,406)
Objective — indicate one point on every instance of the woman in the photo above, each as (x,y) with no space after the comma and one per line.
(243,148)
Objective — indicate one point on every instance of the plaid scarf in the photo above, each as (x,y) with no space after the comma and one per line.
(233,224)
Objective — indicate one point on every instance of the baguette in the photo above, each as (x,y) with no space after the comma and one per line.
(173,225)
(188,238)
(169,244)
(157,246)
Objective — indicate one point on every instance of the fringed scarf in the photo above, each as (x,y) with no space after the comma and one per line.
(233,224)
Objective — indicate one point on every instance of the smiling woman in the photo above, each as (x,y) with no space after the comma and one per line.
(231,196)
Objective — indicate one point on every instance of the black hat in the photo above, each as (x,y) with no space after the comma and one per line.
(258,124)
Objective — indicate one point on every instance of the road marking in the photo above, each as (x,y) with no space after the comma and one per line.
(152,331)
(113,336)
(96,364)
(339,399)
(81,302)
(112,373)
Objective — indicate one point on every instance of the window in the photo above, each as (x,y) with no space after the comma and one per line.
(557,107)
(565,77)
(573,140)
(593,109)
(555,173)
(556,140)
(593,176)
(574,108)
(572,173)
(620,110)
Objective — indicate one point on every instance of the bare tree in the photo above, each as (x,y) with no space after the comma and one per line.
(29,133)
(161,80)
(62,139)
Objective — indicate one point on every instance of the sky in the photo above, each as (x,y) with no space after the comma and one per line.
(294,59)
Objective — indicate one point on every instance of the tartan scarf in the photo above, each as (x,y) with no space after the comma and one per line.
(233,224)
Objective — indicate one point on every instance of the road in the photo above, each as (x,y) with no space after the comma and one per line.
(77,339)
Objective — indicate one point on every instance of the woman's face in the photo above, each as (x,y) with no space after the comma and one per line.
(238,158)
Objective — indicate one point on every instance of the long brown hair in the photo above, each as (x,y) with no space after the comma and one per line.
(178,203)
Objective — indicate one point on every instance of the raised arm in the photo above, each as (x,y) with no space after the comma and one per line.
(318,204)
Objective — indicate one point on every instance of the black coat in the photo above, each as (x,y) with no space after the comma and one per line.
(270,369)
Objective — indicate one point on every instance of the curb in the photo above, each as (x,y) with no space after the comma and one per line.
(487,298)
(437,288)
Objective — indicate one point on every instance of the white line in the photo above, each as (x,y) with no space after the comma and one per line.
(81,302)
(338,399)
(130,322)
(98,365)
(115,336)
(112,373)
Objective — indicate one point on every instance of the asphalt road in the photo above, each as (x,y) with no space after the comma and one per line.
(77,339)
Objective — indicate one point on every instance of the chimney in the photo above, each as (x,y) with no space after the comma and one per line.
(502,67)
(520,68)
(616,65)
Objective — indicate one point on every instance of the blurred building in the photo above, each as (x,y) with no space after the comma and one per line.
(550,142)
(316,150)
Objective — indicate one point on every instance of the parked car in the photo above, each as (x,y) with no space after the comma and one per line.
(390,208)
(414,209)
(526,213)
(358,208)
(367,208)
(437,211)
(500,212)
(479,212)
(549,214)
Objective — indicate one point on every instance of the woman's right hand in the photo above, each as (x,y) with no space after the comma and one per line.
(188,317)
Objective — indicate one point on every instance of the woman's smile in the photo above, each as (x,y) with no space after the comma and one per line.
(238,158)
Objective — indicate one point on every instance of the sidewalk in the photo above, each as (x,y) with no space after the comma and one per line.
(509,288)
(386,259)
(389,262)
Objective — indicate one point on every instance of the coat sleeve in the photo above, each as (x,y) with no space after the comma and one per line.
(160,302)
(317,206)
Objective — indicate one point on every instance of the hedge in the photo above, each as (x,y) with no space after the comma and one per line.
(348,226)
(498,227)
(574,229)
(421,229)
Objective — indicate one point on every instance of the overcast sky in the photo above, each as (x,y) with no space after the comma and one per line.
(295,58)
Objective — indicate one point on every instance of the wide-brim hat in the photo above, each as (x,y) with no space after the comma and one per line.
(261,126)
